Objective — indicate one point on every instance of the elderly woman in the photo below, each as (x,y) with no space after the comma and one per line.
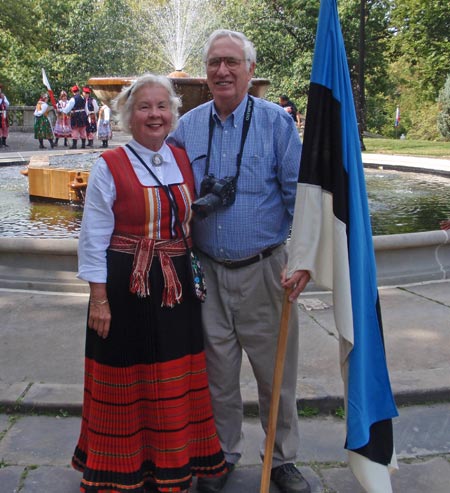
(147,419)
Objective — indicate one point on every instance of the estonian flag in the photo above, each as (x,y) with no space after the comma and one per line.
(332,239)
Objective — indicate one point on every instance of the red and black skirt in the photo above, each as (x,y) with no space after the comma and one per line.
(147,423)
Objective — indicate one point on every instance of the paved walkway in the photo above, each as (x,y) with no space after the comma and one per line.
(22,145)
(41,355)
(41,362)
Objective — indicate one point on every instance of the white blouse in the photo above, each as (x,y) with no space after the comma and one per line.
(98,218)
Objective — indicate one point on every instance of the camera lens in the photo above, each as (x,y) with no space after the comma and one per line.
(205,205)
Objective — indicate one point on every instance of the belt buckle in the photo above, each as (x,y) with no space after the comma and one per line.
(228,262)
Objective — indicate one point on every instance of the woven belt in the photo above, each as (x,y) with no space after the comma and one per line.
(237,264)
(144,249)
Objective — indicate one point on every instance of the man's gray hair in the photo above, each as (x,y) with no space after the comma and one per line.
(237,37)
(124,102)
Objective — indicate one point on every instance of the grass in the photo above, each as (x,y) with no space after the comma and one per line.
(408,147)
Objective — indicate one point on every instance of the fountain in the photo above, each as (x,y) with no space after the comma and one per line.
(182,25)
(50,263)
(193,91)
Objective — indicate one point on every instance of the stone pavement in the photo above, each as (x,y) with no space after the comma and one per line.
(41,377)
(41,355)
(23,145)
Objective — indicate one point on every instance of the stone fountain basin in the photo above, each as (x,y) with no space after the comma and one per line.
(51,264)
(193,91)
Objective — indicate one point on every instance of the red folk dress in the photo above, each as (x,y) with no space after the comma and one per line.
(147,423)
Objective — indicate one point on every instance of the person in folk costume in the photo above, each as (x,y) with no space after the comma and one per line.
(104,132)
(78,117)
(4,124)
(62,128)
(42,125)
(147,415)
(91,110)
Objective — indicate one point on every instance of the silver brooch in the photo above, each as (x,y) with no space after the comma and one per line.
(157,159)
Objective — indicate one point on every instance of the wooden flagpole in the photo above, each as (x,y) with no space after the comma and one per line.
(276,390)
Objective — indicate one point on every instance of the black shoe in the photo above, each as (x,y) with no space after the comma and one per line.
(289,479)
(214,485)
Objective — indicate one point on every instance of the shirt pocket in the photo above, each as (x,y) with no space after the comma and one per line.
(257,173)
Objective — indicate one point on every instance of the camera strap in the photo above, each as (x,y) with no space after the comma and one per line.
(246,125)
(167,191)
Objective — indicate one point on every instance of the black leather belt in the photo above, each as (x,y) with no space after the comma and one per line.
(236,264)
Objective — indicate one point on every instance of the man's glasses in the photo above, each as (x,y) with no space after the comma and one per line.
(229,61)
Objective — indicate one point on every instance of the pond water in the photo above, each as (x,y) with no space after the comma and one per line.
(399,202)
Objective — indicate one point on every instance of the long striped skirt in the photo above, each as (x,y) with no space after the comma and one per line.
(147,423)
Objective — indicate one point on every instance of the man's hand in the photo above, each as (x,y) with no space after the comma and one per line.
(296,283)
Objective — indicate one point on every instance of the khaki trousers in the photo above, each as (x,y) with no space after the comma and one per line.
(243,312)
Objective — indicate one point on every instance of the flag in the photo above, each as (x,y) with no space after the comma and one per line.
(49,89)
(397,117)
(332,239)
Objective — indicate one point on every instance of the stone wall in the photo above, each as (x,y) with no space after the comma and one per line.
(51,265)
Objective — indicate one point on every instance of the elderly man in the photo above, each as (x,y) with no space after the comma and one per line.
(245,154)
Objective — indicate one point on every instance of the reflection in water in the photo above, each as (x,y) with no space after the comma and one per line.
(21,218)
(399,202)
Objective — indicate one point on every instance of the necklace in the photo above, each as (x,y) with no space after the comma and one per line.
(157,159)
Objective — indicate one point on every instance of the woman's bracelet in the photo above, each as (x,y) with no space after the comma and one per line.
(98,302)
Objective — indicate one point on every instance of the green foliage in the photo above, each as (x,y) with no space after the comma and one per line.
(405,51)
(340,412)
(409,147)
(308,412)
(421,41)
(72,40)
(443,120)
(283,33)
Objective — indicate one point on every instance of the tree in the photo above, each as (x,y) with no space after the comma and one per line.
(283,33)
(422,41)
(365,28)
(443,120)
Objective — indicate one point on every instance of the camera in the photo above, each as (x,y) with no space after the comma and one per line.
(214,194)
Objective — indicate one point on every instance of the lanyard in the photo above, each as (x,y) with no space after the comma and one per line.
(247,117)
(167,191)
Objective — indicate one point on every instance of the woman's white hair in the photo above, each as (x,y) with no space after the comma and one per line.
(124,102)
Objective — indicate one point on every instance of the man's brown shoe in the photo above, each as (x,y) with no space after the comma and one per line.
(289,479)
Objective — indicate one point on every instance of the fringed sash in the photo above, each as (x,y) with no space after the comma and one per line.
(144,249)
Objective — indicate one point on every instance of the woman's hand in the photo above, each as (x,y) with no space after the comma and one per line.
(99,311)
(99,318)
